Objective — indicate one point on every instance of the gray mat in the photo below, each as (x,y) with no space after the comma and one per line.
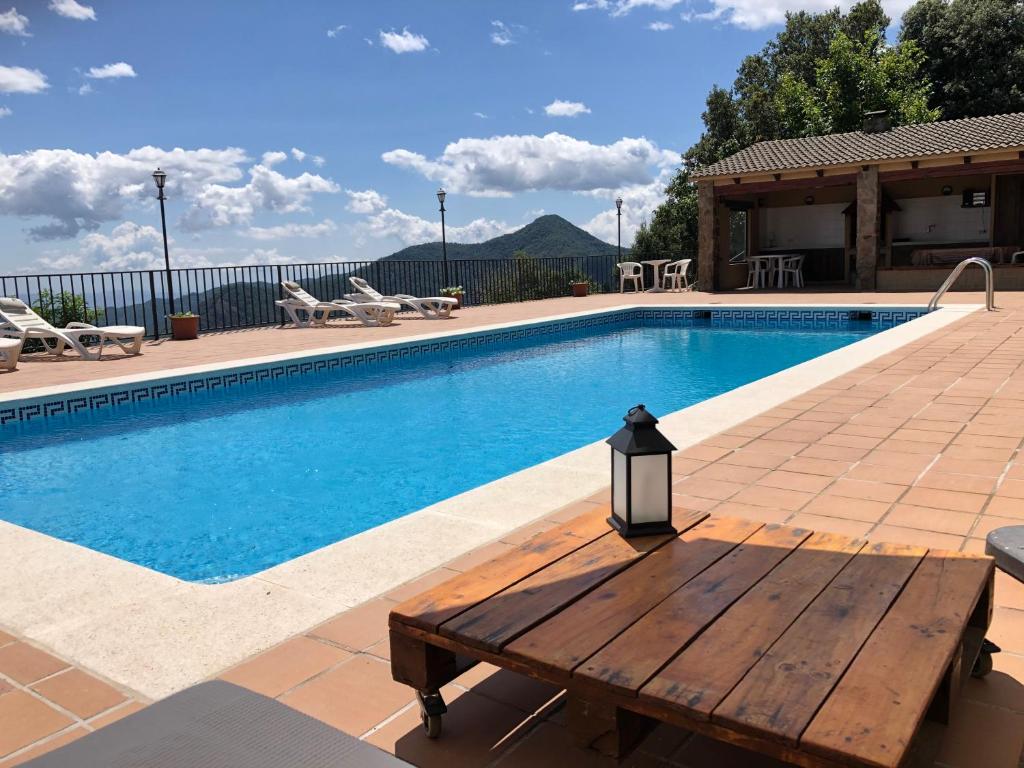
(217,725)
(1006,545)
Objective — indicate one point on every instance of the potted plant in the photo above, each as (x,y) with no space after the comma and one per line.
(454,292)
(580,287)
(184,326)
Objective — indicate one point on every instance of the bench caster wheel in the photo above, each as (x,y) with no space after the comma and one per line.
(432,707)
(983,664)
(431,725)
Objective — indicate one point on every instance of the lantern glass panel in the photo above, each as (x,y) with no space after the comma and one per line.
(650,489)
(619,464)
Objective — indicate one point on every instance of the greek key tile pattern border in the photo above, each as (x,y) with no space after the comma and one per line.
(828,317)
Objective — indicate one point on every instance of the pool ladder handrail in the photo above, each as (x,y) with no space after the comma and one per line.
(990,301)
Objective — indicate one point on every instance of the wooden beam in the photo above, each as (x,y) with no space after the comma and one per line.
(1002,166)
(813,182)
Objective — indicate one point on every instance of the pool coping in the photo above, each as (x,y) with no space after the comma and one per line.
(156,634)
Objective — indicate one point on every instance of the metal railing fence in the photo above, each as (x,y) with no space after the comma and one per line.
(231,297)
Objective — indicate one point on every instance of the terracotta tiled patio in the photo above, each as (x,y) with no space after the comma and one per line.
(920,446)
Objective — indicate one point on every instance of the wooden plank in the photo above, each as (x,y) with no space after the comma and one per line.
(419,664)
(606,728)
(432,608)
(501,618)
(629,661)
(702,675)
(880,703)
(781,693)
(572,635)
(633,704)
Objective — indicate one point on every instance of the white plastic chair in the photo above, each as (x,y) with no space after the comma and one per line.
(10,348)
(23,318)
(792,270)
(633,271)
(675,273)
(432,308)
(305,310)
(758,271)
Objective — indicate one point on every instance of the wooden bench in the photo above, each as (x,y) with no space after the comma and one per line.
(813,648)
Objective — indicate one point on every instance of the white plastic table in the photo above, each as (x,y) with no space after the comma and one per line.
(775,261)
(656,264)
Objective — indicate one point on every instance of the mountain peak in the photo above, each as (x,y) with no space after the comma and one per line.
(545,236)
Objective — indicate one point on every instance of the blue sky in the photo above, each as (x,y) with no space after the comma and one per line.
(314,131)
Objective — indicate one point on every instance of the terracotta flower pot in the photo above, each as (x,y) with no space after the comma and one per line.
(580,289)
(185,328)
(459,298)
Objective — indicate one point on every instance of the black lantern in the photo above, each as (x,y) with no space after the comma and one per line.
(641,477)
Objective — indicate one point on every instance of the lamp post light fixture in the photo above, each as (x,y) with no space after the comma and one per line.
(161,178)
(641,477)
(441,194)
(618,213)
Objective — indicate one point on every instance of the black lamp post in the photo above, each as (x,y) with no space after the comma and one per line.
(444,243)
(161,178)
(641,477)
(618,213)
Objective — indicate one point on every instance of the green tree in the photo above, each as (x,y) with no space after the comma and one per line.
(529,279)
(974,54)
(855,77)
(818,75)
(65,307)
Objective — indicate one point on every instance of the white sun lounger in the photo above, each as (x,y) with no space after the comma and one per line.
(20,315)
(306,310)
(433,308)
(11,342)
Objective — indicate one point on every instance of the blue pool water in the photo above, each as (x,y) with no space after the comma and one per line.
(218,485)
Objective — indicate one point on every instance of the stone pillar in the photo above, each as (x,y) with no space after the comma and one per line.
(869,226)
(707,235)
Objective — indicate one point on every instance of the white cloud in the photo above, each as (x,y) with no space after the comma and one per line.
(217,205)
(501,34)
(270,159)
(135,246)
(757,14)
(622,7)
(413,230)
(108,71)
(104,186)
(6,112)
(368,41)
(283,231)
(659,26)
(481,115)
(404,41)
(589,5)
(13,23)
(128,246)
(21,80)
(502,165)
(73,10)
(298,154)
(85,89)
(333,31)
(638,203)
(318,161)
(559,108)
(365,201)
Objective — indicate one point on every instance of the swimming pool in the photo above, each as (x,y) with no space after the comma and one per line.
(218,483)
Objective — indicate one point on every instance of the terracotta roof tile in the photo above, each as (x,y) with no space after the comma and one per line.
(967,135)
